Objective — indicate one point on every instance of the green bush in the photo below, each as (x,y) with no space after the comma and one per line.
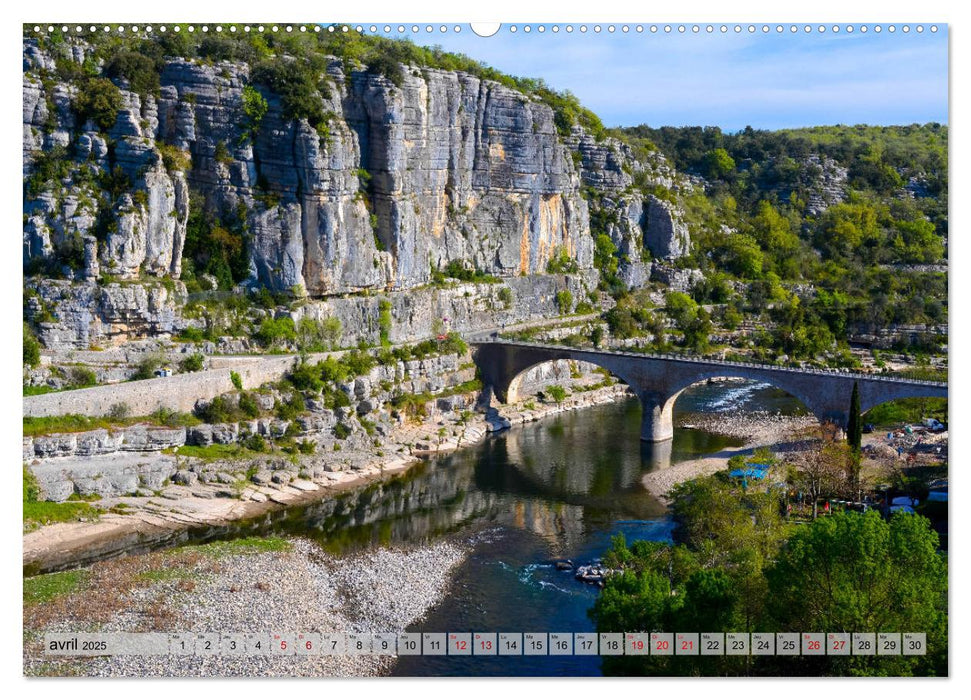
(31,487)
(255,108)
(147,366)
(31,348)
(273,331)
(341,431)
(192,335)
(192,363)
(564,301)
(236,380)
(222,154)
(219,410)
(384,321)
(561,262)
(318,336)
(306,377)
(248,405)
(174,159)
(119,411)
(297,83)
(99,100)
(291,407)
(81,377)
(256,443)
(138,69)
(555,392)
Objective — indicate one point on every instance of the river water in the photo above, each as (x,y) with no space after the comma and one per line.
(559,488)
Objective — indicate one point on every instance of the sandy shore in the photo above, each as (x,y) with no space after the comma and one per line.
(281,592)
(777,432)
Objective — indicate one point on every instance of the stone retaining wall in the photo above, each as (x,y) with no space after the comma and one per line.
(178,393)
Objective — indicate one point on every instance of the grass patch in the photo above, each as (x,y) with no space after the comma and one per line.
(242,545)
(923,373)
(214,452)
(46,587)
(74,423)
(167,573)
(38,390)
(907,411)
(38,513)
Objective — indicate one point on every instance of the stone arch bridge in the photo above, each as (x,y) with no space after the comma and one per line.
(658,380)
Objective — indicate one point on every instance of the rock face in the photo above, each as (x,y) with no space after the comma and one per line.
(665,233)
(639,227)
(77,315)
(446,167)
(825,181)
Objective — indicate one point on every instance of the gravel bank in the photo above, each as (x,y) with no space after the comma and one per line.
(759,429)
(301,590)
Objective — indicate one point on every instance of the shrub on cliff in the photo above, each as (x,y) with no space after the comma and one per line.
(248,405)
(147,366)
(193,363)
(99,100)
(274,331)
(31,348)
(555,392)
(296,82)
(219,410)
(81,377)
(561,262)
(306,377)
(139,70)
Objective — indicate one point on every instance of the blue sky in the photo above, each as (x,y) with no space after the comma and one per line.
(730,80)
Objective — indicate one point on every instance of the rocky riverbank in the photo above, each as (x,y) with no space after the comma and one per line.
(215,499)
(225,588)
(759,429)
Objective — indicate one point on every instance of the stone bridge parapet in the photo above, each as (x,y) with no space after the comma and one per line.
(658,380)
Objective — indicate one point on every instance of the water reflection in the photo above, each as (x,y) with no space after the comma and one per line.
(555,478)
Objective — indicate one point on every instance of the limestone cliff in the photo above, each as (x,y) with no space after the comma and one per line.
(640,226)
(401,179)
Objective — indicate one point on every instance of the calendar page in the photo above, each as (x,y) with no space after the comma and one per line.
(511,349)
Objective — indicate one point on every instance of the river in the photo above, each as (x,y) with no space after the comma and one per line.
(559,488)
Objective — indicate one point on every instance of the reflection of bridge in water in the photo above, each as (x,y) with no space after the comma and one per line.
(658,380)
(499,483)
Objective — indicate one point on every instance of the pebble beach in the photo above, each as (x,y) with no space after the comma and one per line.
(298,590)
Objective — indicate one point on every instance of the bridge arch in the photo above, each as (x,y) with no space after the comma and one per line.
(867,408)
(503,371)
(513,392)
(796,392)
(659,380)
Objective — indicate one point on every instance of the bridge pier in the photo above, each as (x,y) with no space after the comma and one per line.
(657,420)
(658,379)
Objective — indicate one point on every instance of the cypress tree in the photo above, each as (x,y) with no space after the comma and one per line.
(854,427)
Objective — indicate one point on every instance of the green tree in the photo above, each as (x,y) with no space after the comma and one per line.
(255,107)
(99,100)
(192,363)
(854,426)
(273,331)
(718,163)
(857,572)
